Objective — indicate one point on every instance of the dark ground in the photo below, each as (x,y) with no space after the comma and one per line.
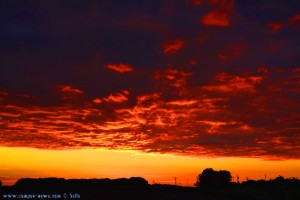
(138,188)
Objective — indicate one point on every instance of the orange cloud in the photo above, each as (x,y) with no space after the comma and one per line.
(121,68)
(69,89)
(115,125)
(97,100)
(233,115)
(214,126)
(173,46)
(117,97)
(182,102)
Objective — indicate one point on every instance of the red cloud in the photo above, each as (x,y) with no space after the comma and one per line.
(219,16)
(172,79)
(4,93)
(97,100)
(69,89)
(216,18)
(276,26)
(263,70)
(121,68)
(117,97)
(295,18)
(197,2)
(173,46)
(228,83)
(234,115)
(293,84)
(182,102)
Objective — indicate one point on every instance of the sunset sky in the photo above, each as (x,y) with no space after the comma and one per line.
(151,88)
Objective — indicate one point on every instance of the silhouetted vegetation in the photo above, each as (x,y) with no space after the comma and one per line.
(60,184)
(210,178)
(278,188)
(212,185)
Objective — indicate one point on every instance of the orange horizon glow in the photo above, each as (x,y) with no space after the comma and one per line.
(19,163)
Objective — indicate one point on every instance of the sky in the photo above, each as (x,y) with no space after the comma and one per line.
(149,88)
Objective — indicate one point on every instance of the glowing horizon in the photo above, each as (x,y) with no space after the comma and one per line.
(155,168)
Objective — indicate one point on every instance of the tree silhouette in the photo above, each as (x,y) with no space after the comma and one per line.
(279,179)
(211,179)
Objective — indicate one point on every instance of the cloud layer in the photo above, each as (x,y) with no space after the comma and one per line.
(232,116)
(195,78)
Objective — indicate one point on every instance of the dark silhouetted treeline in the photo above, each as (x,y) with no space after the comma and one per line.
(61,184)
(218,184)
(279,188)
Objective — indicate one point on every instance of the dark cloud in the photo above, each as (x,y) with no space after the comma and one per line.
(184,77)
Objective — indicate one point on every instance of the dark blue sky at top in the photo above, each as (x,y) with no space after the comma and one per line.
(47,43)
